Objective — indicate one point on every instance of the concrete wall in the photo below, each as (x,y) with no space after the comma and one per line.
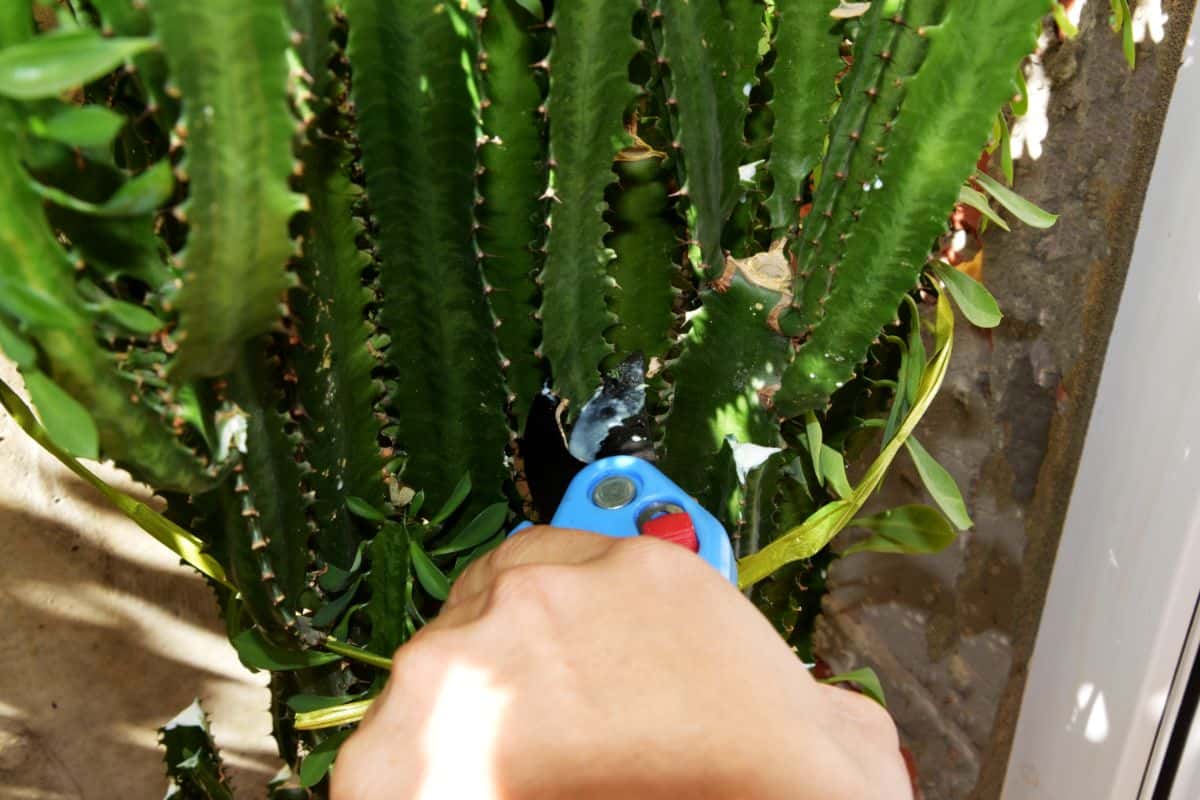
(105,637)
(951,634)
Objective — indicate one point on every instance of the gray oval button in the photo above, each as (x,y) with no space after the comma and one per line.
(615,491)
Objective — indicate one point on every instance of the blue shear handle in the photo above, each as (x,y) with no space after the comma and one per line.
(651,488)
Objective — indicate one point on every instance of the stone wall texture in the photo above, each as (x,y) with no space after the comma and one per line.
(951,634)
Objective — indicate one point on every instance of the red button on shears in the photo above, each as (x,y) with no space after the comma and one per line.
(677,528)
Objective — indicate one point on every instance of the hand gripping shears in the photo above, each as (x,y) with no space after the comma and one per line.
(626,495)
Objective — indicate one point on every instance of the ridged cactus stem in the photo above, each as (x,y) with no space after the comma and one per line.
(510,184)
(589,95)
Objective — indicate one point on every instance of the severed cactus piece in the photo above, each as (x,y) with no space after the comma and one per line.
(417,133)
(513,173)
(228,58)
(711,50)
(804,78)
(909,129)
(589,94)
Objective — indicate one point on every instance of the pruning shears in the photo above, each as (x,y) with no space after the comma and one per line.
(620,492)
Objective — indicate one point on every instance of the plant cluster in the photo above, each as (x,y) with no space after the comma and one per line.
(334,278)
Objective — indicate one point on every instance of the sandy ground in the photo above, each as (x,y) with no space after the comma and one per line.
(105,638)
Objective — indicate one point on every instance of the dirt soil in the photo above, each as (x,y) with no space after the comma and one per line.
(107,638)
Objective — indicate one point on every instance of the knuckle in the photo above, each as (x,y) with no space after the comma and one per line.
(528,589)
(662,561)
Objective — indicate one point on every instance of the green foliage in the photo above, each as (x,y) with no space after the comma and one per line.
(710,60)
(906,529)
(911,123)
(238,132)
(512,159)
(807,41)
(416,125)
(305,265)
(866,680)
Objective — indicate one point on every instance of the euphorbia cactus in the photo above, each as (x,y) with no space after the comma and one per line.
(308,267)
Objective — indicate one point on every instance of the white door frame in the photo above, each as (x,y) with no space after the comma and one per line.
(1108,665)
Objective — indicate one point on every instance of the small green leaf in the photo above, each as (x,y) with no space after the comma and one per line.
(80,126)
(317,763)
(47,65)
(139,195)
(1020,208)
(1063,22)
(16,347)
(534,7)
(1127,43)
(833,466)
(361,508)
(1020,105)
(303,703)
(943,326)
(812,430)
(69,424)
(332,611)
(145,193)
(978,201)
(479,529)
(454,501)
(866,679)
(133,318)
(940,484)
(34,307)
(1006,156)
(900,399)
(432,579)
(976,302)
(257,653)
(916,351)
(905,529)
(414,505)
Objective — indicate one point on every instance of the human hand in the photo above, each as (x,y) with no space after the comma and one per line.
(568,664)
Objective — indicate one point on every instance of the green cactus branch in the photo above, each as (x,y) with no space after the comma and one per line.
(513,173)
(807,43)
(416,128)
(710,51)
(938,117)
(336,399)
(238,134)
(645,241)
(589,95)
(270,546)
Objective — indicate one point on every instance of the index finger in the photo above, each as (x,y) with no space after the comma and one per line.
(540,544)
